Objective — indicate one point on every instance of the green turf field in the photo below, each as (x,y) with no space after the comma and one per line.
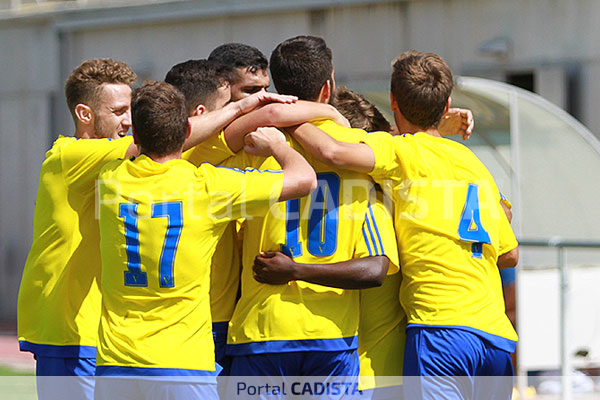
(7,371)
(17,385)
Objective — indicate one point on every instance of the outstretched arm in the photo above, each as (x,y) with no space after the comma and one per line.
(354,156)
(211,123)
(279,115)
(360,273)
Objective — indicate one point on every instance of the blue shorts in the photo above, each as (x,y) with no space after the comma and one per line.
(65,377)
(220,339)
(64,366)
(297,363)
(454,364)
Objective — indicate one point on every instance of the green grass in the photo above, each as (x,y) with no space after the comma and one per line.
(17,384)
(6,371)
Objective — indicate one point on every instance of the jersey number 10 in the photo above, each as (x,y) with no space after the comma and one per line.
(322,220)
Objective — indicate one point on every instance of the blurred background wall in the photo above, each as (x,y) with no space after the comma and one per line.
(545,46)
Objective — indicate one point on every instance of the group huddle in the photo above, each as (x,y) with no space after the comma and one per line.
(243,233)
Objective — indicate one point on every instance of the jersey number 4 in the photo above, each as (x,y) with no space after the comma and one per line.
(470,228)
(173,212)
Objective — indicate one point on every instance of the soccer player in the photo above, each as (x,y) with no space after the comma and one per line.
(249,65)
(452,236)
(206,88)
(59,299)
(381,335)
(160,221)
(300,328)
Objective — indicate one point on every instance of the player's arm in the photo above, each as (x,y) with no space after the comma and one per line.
(509,259)
(299,177)
(279,115)
(211,123)
(354,156)
(276,268)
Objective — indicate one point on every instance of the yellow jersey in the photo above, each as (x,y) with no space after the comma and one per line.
(335,223)
(226,263)
(159,225)
(381,329)
(59,299)
(450,229)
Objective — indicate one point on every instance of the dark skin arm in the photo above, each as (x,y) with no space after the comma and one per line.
(276,268)
(510,259)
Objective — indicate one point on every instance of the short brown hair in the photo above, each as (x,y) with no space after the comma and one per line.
(421,84)
(361,113)
(159,118)
(83,84)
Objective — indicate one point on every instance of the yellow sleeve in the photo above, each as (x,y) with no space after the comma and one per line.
(505,201)
(378,236)
(237,193)
(213,150)
(339,132)
(386,149)
(83,159)
(243,160)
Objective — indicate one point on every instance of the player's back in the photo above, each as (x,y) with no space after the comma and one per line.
(450,229)
(324,227)
(159,225)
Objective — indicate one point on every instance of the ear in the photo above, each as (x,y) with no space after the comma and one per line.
(326,91)
(393,103)
(199,110)
(84,114)
(189,130)
(448,105)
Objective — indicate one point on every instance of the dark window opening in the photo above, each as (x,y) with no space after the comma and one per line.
(524,80)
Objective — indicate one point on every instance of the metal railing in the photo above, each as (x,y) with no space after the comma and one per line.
(562,245)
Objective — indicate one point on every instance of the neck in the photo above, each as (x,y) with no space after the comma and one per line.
(84,133)
(164,158)
(410,128)
(432,131)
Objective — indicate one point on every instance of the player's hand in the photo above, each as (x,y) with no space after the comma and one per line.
(457,121)
(262,141)
(273,268)
(340,119)
(262,97)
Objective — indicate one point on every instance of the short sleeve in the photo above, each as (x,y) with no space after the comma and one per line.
(504,200)
(243,160)
(386,149)
(242,193)
(82,160)
(378,237)
(339,132)
(213,150)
